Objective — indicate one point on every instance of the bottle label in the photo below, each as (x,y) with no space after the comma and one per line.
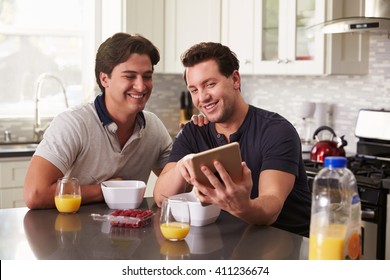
(353,240)
(355,199)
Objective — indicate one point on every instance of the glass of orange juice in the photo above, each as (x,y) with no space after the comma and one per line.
(175,219)
(68,195)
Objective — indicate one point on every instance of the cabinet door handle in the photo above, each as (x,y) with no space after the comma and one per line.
(284,60)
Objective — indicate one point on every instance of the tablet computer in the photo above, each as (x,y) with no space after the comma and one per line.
(228,155)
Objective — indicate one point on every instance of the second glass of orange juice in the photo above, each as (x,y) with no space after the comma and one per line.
(175,219)
(68,195)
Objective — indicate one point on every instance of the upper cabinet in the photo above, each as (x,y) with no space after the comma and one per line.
(146,17)
(270,37)
(274,32)
(188,22)
(239,22)
(282,42)
(273,37)
(174,26)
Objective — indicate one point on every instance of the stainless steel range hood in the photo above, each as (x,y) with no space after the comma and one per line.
(376,18)
(357,24)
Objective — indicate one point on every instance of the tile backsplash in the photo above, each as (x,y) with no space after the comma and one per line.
(345,95)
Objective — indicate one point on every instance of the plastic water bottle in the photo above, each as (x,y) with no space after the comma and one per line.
(335,226)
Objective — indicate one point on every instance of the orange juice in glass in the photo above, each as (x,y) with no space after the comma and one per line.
(175,230)
(329,245)
(68,195)
(175,219)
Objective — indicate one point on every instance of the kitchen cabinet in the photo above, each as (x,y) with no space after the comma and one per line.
(274,32)
(146,17)
(272,37)
(12,174)
(173,26)
(285,47)
(239,20)
(188,22)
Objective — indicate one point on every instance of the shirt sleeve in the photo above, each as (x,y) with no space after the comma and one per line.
(281,150)
(61,142)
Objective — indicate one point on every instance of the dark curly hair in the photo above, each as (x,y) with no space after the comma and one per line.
(118,48)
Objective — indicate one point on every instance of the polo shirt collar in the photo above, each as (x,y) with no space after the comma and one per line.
(105,119)
(102,110)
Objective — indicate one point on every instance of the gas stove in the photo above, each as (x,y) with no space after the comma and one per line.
(371,167)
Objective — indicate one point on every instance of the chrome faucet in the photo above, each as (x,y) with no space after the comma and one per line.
(38,129)
(7,136)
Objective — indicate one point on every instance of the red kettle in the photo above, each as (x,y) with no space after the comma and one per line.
(325,148)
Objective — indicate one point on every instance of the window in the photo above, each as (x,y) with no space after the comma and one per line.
(56,37)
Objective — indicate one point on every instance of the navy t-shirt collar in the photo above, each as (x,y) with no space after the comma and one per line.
(235,137)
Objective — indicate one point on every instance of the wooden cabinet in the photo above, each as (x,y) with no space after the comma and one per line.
(12,174)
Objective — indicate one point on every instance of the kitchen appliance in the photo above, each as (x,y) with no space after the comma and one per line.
(305,111)
(323,148)
(371,167)
(372,16)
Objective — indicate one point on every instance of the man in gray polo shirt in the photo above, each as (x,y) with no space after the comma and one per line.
(110,138)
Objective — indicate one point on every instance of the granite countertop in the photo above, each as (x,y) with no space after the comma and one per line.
(47,234)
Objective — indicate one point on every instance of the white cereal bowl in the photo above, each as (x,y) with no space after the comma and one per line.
(199,215)
(123,194)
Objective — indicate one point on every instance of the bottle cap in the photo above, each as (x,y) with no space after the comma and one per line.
(335,162)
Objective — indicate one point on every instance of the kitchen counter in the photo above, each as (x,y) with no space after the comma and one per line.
(17,149)
(46,234)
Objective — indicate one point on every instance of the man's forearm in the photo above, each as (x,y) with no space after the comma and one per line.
(170,182)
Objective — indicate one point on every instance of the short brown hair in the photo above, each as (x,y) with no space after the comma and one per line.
(226,59)
(118,48)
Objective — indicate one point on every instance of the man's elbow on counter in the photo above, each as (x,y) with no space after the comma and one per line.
(33,199)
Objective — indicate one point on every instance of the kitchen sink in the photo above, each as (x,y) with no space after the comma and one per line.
(17,149)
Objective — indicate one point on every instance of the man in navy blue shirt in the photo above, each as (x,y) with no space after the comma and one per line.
(273,189)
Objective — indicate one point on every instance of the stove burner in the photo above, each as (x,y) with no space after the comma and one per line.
(368,172)
(368,167)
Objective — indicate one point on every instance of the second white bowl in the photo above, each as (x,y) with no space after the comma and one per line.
(199,215)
